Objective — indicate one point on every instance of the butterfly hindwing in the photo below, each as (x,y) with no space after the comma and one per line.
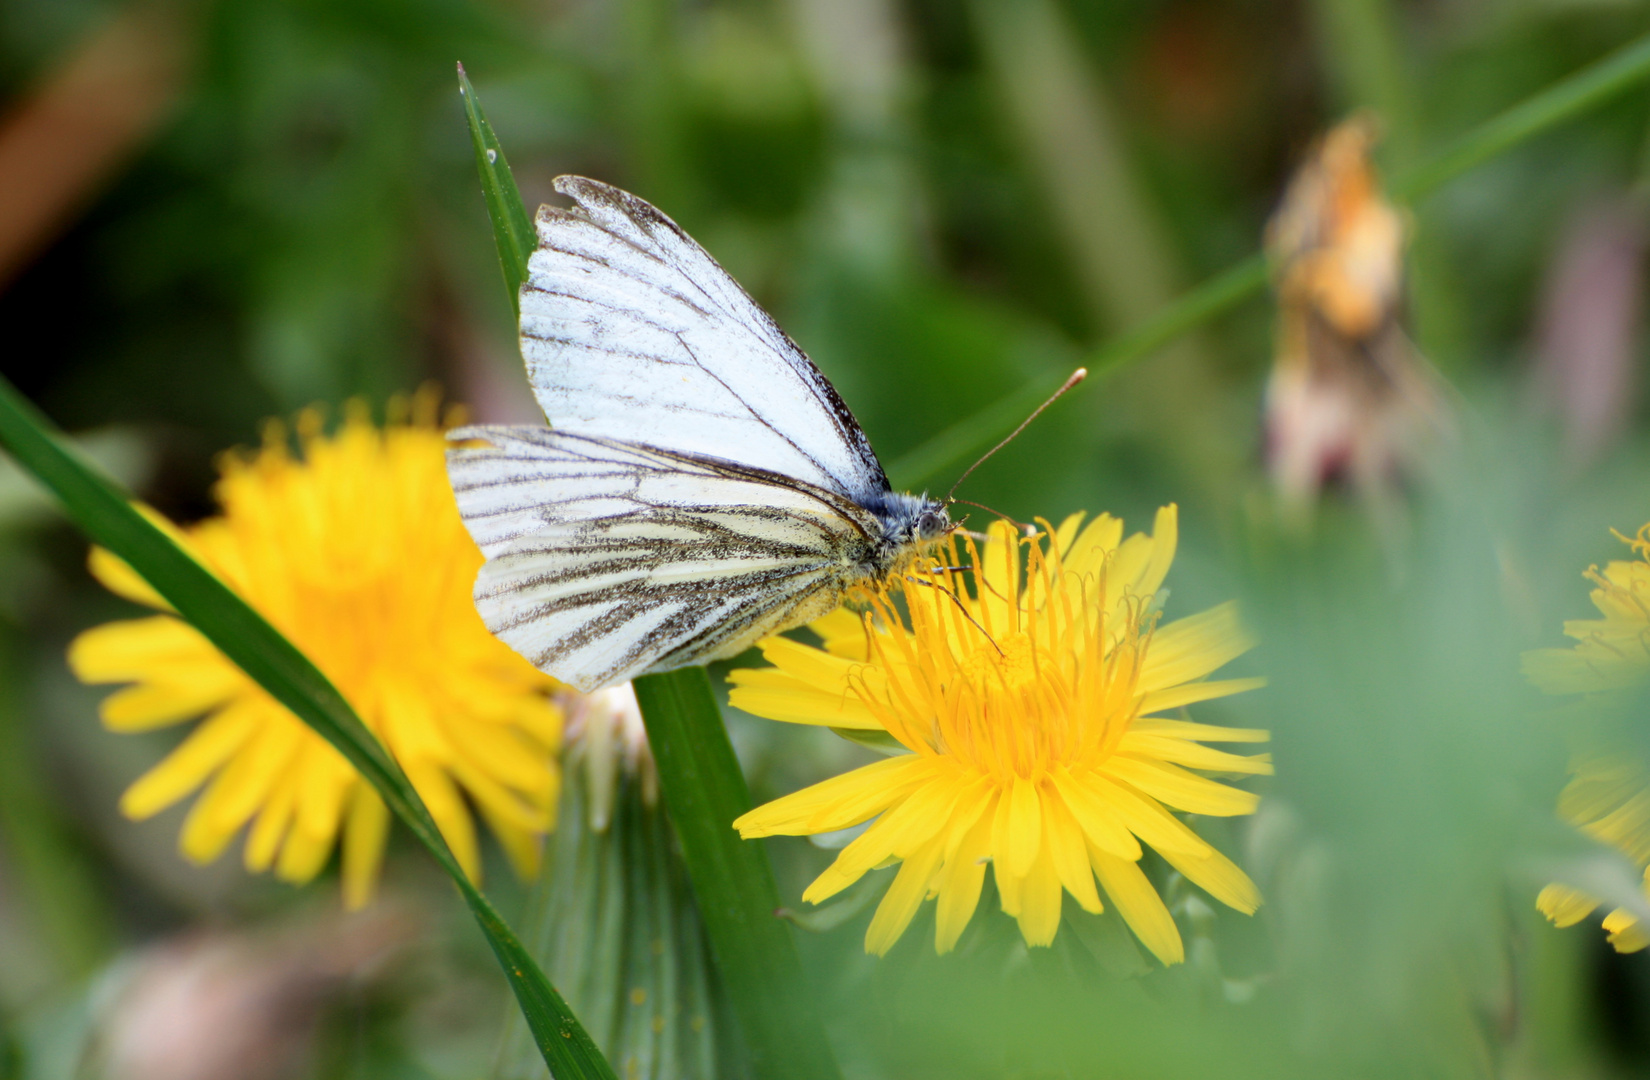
(607,560)
(631,331)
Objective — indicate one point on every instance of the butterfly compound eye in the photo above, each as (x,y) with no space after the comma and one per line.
(932,524)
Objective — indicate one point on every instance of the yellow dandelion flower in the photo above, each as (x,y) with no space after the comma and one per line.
(1612,653)
(1608,796)
(354,550)
(1035,713)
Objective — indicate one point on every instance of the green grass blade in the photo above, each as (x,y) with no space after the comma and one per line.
(704,791)
(108,516)
(703,787)
(1566,99)
(971,436)
(513,231)
(1587,89)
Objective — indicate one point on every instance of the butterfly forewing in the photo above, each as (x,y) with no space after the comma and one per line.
(631,331)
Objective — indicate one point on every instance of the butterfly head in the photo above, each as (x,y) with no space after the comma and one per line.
(931,524)
(910,525)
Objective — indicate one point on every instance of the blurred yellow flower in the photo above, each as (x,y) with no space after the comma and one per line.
(355,551)
(1608,796)
(1612,653)
(1033,711)
(1609,800)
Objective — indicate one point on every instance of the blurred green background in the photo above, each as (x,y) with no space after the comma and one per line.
(216,212)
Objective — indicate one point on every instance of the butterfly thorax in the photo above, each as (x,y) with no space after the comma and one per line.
(911,524)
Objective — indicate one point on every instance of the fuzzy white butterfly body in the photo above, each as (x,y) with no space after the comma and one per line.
(703,485)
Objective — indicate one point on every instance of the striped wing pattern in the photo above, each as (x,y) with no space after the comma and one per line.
(607,559)
(631,331)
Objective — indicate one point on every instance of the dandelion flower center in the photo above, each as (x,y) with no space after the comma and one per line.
(1011,663)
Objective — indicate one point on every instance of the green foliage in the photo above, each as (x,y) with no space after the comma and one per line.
(11,1056)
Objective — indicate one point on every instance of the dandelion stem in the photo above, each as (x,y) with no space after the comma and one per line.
(704,790)
(1564,100)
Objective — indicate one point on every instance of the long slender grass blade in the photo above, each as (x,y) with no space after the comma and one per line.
(513,231)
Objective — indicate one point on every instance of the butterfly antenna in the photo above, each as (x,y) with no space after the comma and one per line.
(1076,377)
(1019,526)
(960,607)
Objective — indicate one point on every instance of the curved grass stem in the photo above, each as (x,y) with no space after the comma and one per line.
(1569,97)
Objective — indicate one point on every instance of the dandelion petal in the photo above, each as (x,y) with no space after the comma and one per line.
(1139,905)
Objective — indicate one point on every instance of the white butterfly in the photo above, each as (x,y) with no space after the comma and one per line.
(703,485)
